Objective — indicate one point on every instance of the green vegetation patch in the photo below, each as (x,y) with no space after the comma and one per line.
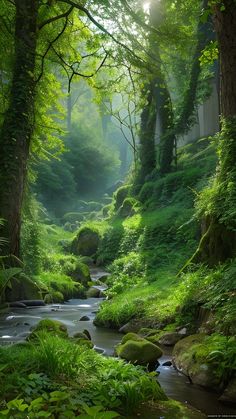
(69,379)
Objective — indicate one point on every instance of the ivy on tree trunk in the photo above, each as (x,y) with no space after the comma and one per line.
(18,125)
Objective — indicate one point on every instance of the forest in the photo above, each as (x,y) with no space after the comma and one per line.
(117,209)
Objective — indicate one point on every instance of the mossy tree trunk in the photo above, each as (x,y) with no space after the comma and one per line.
(147,152)
(18,124)
(219,239)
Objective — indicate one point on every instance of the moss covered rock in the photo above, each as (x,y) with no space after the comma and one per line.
(131,336)
(54,297)
(139,351)
(93,292)
(86,242)
(23,288)
(79,272)
(55,327)
(169,409)
(190,357)
(170,338)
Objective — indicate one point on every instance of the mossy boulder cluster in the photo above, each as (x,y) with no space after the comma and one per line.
(137,350)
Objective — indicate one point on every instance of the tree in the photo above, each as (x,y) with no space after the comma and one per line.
(18,123)
(218,202)
(29,62)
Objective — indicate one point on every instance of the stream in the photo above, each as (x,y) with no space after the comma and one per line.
(15,325)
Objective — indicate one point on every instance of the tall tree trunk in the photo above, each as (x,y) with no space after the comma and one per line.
(168,140)
(18,124)
(219,241)
(147,152)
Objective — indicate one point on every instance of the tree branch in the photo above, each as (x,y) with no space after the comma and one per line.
(54,18)
(77,73)
(48,49)
(101,27)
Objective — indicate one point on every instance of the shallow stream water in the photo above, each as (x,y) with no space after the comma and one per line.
(15,325)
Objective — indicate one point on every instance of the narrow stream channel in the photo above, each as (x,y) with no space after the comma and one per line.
(15,325)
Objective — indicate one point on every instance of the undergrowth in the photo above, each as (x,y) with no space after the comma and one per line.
(56,376)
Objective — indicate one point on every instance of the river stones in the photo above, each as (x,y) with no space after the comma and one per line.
(135,349)
(84,319)
(167,364)
(84,342)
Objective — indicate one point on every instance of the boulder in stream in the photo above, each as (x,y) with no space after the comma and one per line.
(23,289)
(84,319)
(133,325)
(93,292)
(138,350)
(189,357)
(170,338)
(55,327)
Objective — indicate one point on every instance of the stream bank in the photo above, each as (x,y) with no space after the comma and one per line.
(15,325)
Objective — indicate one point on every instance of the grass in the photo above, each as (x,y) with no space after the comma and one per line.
(172,298)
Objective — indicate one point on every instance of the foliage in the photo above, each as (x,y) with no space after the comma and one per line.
(219,198)
(59,283)
(70,379)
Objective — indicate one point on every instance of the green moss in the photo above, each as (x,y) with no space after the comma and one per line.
(57,282)
(79,272)
(54,327)
(54,297)
(208,360)
(139,351)
(170,409)
(120,195)
(131,336)
(86,242)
